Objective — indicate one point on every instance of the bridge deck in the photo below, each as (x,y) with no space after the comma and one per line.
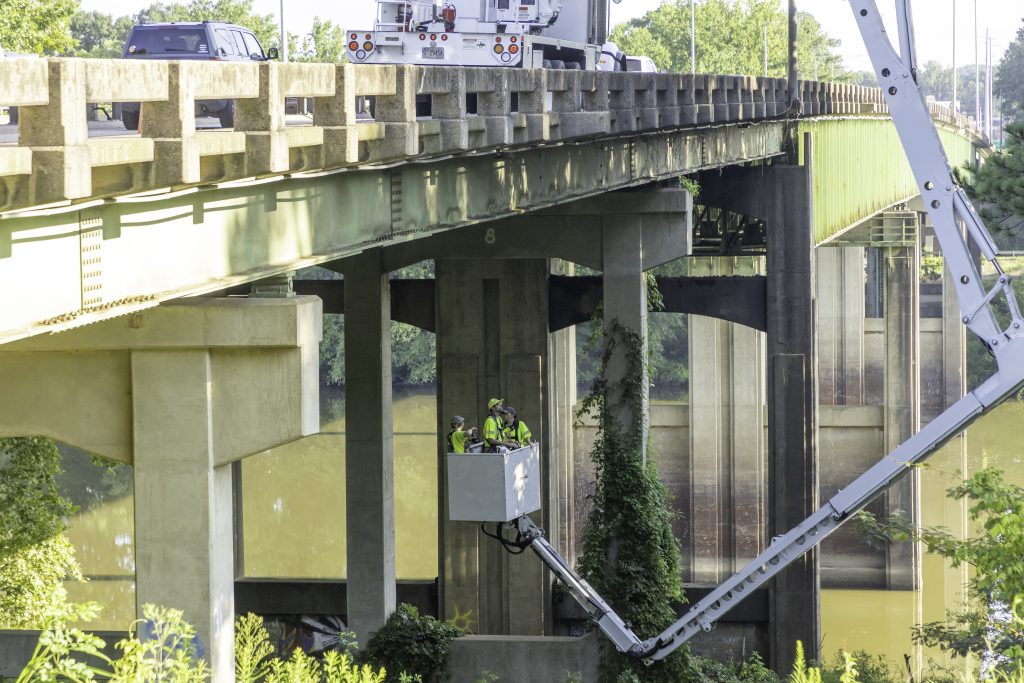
(93,228)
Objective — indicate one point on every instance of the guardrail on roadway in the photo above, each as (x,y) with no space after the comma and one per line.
(362,115)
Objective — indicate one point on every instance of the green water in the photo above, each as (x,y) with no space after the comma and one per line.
(294,523)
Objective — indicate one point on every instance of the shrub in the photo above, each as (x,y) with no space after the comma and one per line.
(414,643)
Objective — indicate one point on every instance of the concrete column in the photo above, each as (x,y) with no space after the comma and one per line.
(840,308)
(493,341)
(902,400)
(369,452)
(792,407)
(954,344)
(625,304)
(728,511)
(184,551)
(181,391)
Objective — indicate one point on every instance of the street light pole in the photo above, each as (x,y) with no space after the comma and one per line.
(284,36)
(977,69)
(766,48)
(955,79)
(693,38)
(793,85)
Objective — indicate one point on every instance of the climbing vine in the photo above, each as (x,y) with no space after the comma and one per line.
(630,555)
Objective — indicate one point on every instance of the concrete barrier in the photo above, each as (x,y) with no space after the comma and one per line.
(362,114)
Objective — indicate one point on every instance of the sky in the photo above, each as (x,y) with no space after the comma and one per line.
(933,21)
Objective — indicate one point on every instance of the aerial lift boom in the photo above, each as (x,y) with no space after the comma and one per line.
(948,206)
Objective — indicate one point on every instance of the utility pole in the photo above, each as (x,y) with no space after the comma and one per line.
(766,48)
(955,79)
(977,69)
(693,38)
(793,85)
(284,36)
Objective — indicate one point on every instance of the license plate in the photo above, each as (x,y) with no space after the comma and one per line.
(433,53)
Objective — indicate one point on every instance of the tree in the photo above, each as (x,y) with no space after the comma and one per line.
(1009,76)
(240,12)
(729,39)
(35,555)
(37,26)
(999,183)
(324,43)
(995,553)
(99,34)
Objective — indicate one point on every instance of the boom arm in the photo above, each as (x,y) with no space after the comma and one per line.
(948,205)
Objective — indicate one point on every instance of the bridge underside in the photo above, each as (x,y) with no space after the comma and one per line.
(79,266)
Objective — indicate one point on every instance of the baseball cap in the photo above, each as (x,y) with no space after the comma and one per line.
(458,419)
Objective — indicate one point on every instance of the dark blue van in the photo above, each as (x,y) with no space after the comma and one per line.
(208,41)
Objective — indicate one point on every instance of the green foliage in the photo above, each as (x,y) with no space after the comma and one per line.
(932,265)
(240,12)
(999,183)
(936,80)
(100,35)
(996,556)
(37,26)
(35,556)
(802,672)
(630,556)
(729,39)
(325,42)
(253,652)
(1009,76)
(753,670)
(411,642)
(165,651)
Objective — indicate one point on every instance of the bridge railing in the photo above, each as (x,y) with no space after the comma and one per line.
(362,115)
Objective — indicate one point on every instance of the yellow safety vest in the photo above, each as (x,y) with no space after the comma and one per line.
(456,441)
(518,431)
(492,431)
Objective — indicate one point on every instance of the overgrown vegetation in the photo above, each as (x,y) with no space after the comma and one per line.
(411,642)
(35,555)
(630,555)
(989,625)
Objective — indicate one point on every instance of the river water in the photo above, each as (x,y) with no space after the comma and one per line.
(293,518)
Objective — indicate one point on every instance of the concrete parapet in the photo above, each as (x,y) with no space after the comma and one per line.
(362,114)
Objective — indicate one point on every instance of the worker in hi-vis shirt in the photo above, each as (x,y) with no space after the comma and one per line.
(494,426)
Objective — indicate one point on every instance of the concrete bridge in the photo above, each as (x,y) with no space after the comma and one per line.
(503,178)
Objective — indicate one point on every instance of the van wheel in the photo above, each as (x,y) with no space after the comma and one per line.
(130,119)
(227,117)
(573,66)
(547,64)
(557,64)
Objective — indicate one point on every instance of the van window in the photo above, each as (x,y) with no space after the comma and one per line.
(224,40)
(239,43)
(252,46)
(161,41)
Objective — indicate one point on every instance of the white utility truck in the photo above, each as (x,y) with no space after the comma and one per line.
(949,207)
(530,34)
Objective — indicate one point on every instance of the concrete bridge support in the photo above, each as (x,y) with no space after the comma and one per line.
(781,196)
(180,392)
(493,341)
(902,398)
(369,449)
(727,435)
(840,297)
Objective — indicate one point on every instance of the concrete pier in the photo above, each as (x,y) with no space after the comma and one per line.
(180,392)
(369,448)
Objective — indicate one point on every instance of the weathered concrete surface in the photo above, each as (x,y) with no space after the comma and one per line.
(180,392)
(369,446)
(78,387)
(140,253)
(521,658)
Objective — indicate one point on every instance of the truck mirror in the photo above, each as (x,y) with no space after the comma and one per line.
(272,53)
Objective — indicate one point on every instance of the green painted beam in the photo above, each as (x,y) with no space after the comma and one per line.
(860,169)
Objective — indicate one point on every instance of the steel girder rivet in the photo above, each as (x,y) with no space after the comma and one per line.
(966,319)
(995,342)
(1016,326)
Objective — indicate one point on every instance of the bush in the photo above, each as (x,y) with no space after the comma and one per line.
(413,643)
